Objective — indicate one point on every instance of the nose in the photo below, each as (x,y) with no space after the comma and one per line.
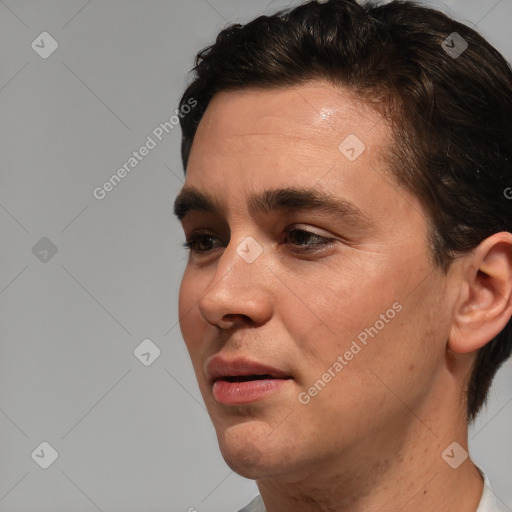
(240,292)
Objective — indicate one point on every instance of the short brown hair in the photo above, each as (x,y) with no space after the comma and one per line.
(451,114)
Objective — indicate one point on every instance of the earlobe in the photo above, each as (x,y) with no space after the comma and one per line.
(485,307)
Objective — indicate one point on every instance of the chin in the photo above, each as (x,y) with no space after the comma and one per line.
(248,450)
(248,461)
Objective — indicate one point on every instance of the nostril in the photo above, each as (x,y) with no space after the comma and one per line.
(230,323)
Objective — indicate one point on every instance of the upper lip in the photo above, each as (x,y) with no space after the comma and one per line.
(218,367)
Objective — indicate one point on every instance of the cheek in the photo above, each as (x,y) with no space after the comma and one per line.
(326,306)
(185,298)
(371,318)
(190,325)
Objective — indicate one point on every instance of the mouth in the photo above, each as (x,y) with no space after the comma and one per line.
(247,378)
(241,381)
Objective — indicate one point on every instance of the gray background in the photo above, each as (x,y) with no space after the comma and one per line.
(129,437)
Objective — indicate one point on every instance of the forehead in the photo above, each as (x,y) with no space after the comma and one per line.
(289,133)
(317,111)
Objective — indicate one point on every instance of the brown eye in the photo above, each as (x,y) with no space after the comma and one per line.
(301,237)
(200,243)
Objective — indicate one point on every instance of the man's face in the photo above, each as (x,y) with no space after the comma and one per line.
(313,332)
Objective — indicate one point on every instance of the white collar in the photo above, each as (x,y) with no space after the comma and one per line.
(488,501)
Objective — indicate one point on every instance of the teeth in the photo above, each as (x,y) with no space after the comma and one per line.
(245,378)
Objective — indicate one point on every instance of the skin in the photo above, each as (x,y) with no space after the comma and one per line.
(372,438)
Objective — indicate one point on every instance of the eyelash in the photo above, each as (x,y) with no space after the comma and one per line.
(324,241)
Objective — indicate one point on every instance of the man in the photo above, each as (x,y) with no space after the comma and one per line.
(347,298)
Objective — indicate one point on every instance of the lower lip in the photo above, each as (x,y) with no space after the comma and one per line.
(240,393)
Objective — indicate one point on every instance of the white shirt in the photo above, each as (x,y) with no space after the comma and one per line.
(488,501)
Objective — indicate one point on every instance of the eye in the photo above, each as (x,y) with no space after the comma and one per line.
(200,243)
(301,237)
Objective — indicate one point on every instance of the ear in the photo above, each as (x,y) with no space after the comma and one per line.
(485,305)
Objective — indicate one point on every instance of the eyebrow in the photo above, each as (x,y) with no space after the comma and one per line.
(280,199)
